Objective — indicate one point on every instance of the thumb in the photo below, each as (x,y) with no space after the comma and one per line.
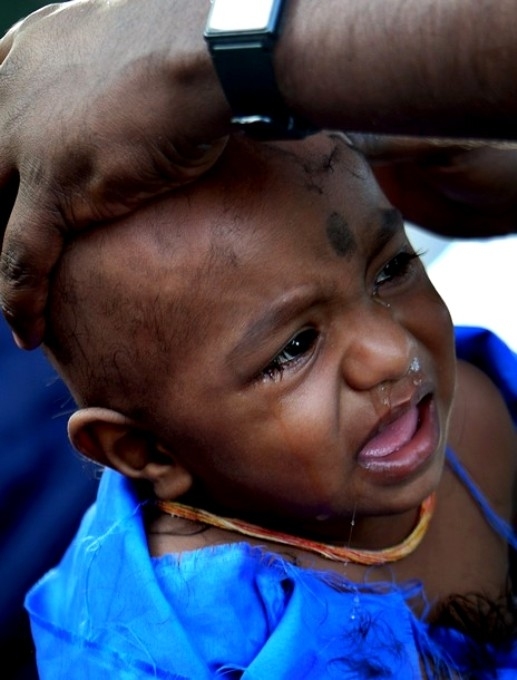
(31,246)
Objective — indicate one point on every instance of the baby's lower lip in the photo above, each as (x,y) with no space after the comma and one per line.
(404,445)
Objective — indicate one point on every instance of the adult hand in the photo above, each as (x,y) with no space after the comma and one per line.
(102,107)
(464,189)
(105,103)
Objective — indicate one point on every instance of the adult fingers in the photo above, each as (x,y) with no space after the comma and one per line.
(7,40)
(47,212)
(454,206)
(29,253)
(98,114)
(380,149)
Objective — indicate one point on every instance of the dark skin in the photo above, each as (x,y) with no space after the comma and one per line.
(146,111)
(458,529)
(456,189)
(273,426)
(479,423)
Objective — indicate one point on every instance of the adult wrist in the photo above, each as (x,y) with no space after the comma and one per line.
(242,39)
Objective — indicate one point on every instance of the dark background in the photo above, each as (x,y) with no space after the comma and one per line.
(12,10)
(44,486)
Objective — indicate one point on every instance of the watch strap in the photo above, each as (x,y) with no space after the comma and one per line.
(244,65)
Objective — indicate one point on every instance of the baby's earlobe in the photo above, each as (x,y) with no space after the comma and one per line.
(113,440)
(170,477)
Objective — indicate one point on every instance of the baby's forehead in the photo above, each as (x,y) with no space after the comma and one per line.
(244,184)
(190,241)
(248,204)
(202,224)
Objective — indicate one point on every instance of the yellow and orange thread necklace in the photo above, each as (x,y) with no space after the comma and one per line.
(336,553)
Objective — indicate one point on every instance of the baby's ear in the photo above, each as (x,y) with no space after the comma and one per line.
(111,439)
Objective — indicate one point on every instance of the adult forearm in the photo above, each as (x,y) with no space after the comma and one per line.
(436,67)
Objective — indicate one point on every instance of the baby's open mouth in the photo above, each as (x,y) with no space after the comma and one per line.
(400,445)
(392,436)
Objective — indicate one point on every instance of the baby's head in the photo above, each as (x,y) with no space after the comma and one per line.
(264,338)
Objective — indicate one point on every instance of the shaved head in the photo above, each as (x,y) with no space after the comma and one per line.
(129,300)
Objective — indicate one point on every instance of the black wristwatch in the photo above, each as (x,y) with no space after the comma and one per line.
(241,36)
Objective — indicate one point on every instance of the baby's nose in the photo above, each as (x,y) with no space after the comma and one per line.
(377,349)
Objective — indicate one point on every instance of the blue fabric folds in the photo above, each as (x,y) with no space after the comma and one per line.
(488,352)
(109,610)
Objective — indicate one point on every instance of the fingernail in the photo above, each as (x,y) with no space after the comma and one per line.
(18,341)
(31,340)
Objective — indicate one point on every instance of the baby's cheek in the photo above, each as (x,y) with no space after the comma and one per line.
(443,347)
(439,340)
(309,436)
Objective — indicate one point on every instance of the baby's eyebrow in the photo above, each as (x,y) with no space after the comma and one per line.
(342,239)
(392,220)
(383,230)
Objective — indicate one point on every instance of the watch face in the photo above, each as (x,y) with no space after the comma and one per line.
(243,15)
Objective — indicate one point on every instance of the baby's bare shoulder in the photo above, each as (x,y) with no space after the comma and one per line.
(483,436)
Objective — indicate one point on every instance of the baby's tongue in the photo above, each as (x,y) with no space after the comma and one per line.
(392,437)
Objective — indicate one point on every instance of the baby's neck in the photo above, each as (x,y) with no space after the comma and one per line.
(362,533)
(340,550)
